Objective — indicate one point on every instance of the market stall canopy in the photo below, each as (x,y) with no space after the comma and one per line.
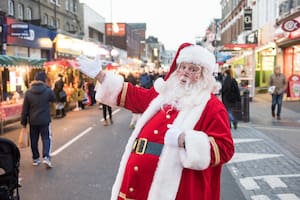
(6,60)
(60,63)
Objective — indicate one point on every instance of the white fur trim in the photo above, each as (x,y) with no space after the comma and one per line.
(196,154)
(107,92)
(159,85)
(197,55)
(168,173)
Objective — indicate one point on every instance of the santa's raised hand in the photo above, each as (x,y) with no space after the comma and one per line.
(90,67)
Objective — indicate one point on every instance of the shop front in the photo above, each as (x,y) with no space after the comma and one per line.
(16,74)
(288,39)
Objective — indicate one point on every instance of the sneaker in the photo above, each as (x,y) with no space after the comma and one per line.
(278,118)
(36,162)
(47,162)
(131,126)
(105,123)
(111,121)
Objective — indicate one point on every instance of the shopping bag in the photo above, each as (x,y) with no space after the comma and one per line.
(271,89)
(23,140)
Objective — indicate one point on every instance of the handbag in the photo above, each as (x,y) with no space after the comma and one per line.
(271,89)
(23,140)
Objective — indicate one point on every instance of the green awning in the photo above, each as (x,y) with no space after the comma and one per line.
(6,60)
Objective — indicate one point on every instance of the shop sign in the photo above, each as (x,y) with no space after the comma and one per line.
(19,30)
(32,39)
(294,86)
(252,38)
(248,19)
(290,25)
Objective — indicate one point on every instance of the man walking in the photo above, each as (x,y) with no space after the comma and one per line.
(36,112)
(279,81)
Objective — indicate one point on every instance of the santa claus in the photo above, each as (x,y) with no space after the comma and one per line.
(179,144)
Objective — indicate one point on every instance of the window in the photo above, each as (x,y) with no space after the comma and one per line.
(45,19)
(51,22)
(20,11)
(11,8)
(67,4)
(28,13)
(57,23)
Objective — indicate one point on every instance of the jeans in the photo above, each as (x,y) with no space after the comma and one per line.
(277,99)
(45,133)
(108,108)
(231,116)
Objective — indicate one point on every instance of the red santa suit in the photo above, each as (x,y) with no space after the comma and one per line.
(177,173)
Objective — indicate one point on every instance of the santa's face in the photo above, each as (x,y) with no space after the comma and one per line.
(188,73)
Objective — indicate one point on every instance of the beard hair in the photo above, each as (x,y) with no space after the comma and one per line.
(181,96)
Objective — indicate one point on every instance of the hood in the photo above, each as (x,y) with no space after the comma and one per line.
(38,87)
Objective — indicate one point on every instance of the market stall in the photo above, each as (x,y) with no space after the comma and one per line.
(16,74)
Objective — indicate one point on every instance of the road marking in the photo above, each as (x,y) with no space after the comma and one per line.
(66,145)
(288,196)
(278,128)
(260,197)
(242,157)
(249,183)
(275,182)
(245,140)
(272,180)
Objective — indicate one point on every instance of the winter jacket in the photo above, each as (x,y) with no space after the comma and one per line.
(279,82)
(36,107)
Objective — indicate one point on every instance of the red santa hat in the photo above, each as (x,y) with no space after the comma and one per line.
(188,52)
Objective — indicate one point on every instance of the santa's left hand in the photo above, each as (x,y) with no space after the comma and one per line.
(171,137)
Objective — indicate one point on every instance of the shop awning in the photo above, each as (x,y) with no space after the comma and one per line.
(60,63)
(6,60)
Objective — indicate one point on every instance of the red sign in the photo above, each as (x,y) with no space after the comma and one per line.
(290,25)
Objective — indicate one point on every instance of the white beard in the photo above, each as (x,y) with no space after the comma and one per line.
(182,96)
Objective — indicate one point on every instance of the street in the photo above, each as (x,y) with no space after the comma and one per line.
(86,157)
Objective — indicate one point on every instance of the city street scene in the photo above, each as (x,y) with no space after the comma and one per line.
(111,99)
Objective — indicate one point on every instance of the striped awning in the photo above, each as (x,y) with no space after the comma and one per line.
(7,61)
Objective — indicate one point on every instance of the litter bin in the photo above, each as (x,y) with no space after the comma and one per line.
(245,100)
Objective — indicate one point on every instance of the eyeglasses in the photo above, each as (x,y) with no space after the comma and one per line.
(189,68)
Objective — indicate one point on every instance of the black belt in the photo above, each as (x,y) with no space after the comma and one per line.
(143,146)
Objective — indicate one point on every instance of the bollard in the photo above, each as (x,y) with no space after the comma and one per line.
(245,106)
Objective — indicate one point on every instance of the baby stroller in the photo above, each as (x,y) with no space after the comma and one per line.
(9,170)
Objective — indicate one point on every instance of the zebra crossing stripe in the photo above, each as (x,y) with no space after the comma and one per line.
(260,197)
(288,196)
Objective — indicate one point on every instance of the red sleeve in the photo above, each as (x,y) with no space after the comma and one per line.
(215,123)
(136,99)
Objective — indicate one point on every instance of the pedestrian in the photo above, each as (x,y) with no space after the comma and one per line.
(182,139)
(36,113)
(230,96)
(105,109)
(61,97)
(278,80)
(135,116)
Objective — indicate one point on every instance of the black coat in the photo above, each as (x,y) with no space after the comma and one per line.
(36,105)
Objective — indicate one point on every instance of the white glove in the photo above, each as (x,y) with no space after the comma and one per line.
(88,66)
(171,137)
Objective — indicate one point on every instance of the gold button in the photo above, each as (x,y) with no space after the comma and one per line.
(136,168)
(155,131)
(131,189)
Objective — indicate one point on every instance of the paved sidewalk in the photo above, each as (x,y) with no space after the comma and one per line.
(263,167)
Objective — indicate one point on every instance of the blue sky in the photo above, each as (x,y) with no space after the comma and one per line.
(172,22)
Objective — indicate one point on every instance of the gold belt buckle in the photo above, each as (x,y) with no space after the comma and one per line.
(143,142)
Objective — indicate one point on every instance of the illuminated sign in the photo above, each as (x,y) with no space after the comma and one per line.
(19,30)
